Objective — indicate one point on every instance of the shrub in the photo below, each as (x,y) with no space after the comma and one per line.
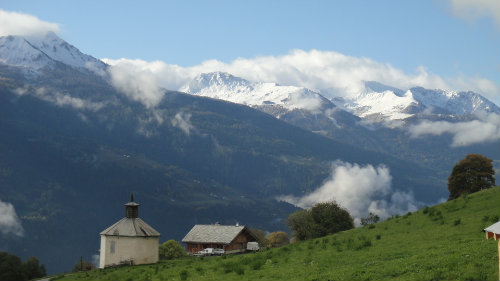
(278,239)
(171,249)
(371,219)
(322,219)
(257,264)
(183,274)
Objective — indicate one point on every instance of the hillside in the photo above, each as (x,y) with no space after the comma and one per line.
(73,147)
(443,242)
(69,164)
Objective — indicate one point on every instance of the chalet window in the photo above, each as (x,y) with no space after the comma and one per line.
(112,247)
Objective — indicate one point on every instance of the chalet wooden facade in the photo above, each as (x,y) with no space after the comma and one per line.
(493,231)
(231,238)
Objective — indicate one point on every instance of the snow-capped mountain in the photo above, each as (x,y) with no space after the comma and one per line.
(388,103)
(377,103)
(35,53)
(227,87)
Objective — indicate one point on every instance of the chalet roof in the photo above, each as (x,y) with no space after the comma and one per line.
(494,228)
(131,227)
(213,233)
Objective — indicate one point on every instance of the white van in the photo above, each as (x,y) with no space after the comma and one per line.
(253,246)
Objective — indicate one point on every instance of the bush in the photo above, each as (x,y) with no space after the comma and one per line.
(257,264)
(371,219)
(171,249)
(278,239)
(183,274)
(321,220)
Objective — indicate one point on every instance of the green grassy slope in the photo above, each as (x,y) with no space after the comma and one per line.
(443,242)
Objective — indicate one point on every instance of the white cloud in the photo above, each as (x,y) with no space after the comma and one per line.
(360,189)
(485,129)
(12,23)
(9,222)
(182,120)
(331,73)
(137,81)
(473,9)
(62,100)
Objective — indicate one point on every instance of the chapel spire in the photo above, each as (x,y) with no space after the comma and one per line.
(132,208)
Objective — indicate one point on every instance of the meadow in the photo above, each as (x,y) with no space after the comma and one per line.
(442,242)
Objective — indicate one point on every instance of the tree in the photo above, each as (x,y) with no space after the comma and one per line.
(33,268)
(278,239)
(302,225)
(471,174)
(12,268)
(371,219)
(331,218)
(171,249)
(261,236)
(322,219)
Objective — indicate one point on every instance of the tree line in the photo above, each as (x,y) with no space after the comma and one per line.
(13,269)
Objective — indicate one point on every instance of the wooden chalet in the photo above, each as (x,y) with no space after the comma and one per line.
(493,231)
(231,238)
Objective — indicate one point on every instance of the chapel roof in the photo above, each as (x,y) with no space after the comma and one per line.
(132,227)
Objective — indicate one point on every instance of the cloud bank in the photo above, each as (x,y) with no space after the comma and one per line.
(474,9)
(485,129)
(9,222)
(12,23)
(330,73)
(360,189)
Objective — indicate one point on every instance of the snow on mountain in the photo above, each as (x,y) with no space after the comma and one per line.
(377,103)
(454,102)
(387,104)
(384,102)
(227,87)
(17,51)
(38,52)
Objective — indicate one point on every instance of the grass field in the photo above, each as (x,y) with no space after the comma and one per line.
(443,242)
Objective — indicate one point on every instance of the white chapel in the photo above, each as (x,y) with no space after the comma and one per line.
(129,241)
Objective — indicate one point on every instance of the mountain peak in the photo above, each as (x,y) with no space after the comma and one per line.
(224,86)
(216,81)
(36,52)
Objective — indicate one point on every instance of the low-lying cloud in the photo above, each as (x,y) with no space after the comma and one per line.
(182,120)
(361,190)
(13,23)
(137,82)
(60,99)
(485,129)
(9,222)
(327,72)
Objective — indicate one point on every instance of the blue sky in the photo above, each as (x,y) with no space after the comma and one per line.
(441,36)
